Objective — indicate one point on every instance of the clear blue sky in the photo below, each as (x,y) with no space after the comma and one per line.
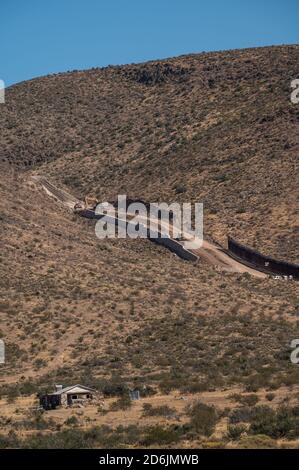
(38,37)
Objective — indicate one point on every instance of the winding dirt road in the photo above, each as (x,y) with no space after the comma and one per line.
(207,251)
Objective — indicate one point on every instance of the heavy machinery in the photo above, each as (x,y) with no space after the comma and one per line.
(90,203)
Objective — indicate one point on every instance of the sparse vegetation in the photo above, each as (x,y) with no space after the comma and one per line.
(120,315)
(203,418)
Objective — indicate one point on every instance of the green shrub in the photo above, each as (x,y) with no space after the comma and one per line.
(257,442)
(270,396)
(282,423)
(203,418)
(71,421)
(249,400)
(160,435)
(12,394)
(240,415)
(234,431)
(164,410)
(122,403)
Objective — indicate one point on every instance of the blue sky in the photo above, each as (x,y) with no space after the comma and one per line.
(39,37)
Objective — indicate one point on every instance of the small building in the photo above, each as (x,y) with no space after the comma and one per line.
(68,396)
(134,394)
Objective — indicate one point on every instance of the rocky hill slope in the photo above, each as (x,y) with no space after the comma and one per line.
(217,128)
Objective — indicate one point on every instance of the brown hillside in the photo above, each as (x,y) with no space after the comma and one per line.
(112,314)
(85,310)
(218,128)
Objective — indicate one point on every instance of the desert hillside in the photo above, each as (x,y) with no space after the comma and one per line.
(117,314)
(217,128)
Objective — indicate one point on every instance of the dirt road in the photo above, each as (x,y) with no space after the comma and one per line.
(205,250)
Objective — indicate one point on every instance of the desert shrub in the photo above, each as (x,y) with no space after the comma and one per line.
(195,387)
(15,353)
(213,444)
(12,394)
(249,400)
(122,403)
(263,421)
(121,436)
(258,380)
(234,431)
(282,423)
(27,388)
(168,383)
(115,389)
(257,442)
(39,363)
(240,415)
(38,423)
(9,441)
(146,390)
(224,413)
(103,437)
(68,439)
(164,410)
(160,435)
(203,418)
(180,189)
(71,421)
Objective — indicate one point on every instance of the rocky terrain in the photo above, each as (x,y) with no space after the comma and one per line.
(217,128)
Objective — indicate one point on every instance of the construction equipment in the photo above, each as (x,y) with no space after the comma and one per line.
(78,207)
(90,203)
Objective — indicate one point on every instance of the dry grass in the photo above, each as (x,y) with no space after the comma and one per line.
(221,125)
(117,313)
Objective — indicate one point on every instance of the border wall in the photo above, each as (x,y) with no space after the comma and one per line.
(169,243)
(265,263)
